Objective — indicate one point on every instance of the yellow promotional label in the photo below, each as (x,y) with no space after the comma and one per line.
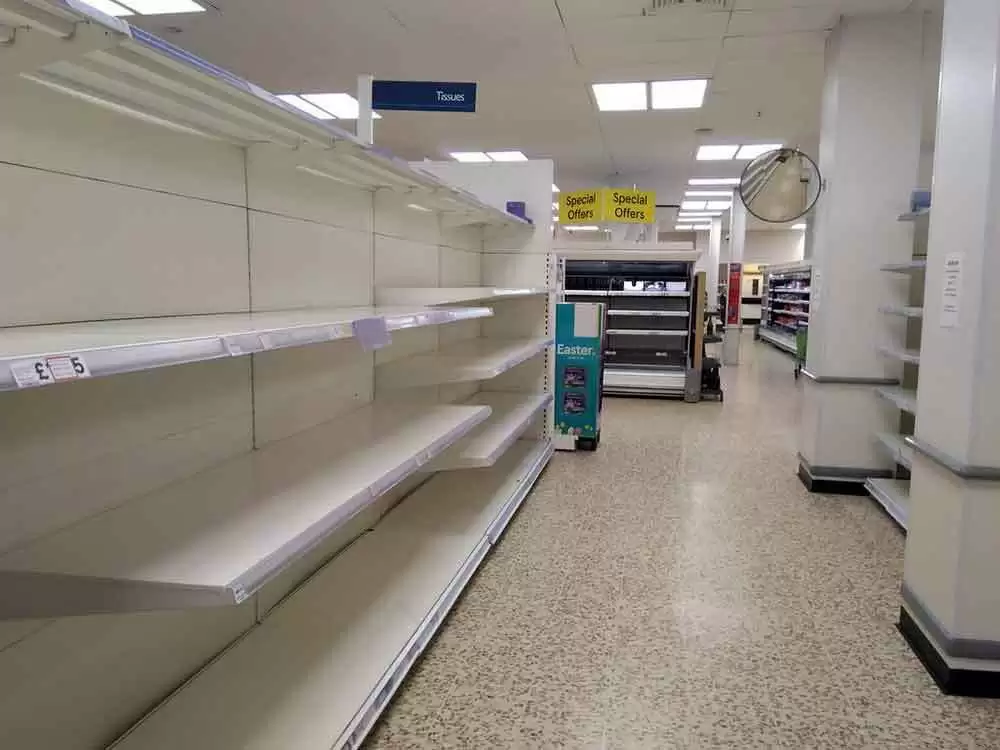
(581,207)
(622,206)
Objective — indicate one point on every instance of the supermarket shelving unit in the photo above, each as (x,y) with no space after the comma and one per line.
(649,303)
(786,309)
(893,494)
(270,396)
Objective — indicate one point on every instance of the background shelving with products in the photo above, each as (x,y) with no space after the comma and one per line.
(893,494)
(206,435)
(787,305)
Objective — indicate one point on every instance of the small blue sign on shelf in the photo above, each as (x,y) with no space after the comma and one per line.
(424,96)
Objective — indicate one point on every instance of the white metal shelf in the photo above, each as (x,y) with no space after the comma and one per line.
(918,264)
(431,296)
(784,342)
(108,62)
(645,332)
(215,538)
(899,449)
(617,293)
(513,414)
(894,496)
(463,362)
(909,356)
(903,311)
(904,399)
(914,215)
(318,672)
(651,313)
(781,290)
(33,355)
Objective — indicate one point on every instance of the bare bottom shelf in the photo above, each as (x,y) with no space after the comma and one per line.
(319,671)
(784,341)
(621,381)
(894,496)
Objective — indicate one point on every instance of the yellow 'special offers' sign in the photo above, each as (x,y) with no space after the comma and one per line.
(614,205)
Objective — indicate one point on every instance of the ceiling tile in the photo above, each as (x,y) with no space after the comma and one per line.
(764,22)
(773,46)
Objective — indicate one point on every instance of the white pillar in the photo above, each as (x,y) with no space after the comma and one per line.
(366,117)
(951,613)
(869,157)
(737,241)
(712,263)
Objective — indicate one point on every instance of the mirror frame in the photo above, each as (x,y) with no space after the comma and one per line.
(791,152)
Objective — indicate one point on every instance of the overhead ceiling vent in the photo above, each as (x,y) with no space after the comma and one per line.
(662,6)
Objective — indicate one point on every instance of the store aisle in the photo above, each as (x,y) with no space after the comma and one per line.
(681,589)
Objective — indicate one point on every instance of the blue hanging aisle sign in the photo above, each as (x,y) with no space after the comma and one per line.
(423,96)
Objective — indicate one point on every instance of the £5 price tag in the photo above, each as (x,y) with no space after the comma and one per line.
(31,373)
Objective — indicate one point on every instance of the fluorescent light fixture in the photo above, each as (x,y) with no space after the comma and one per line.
(692,227)
(621,97)
(698,214)
(693,219)
(555,188)
(800,227)
(470,157)
(341,106)
(707,181)
(752,152)
(679,94)
(583,228)
(555,206)
(717,153)
(418,207)
(692,205)
(718,205)
(162,7)
(555,218)
(310,109)
(506,156)
(708,194)
(109,7)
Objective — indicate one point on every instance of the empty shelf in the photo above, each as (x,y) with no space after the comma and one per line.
(917,264)
(899,449)
(645,332)
(909,356)
(215,538)
(318,672)
(513,414)
(781,340)
(449,296)
(620,293)
(44,355)
(903,398)
(466,361)
(651,313)
(906,312)
(894,496)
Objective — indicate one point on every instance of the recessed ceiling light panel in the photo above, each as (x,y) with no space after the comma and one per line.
(707,194)
(692,205)
(718,205)
(752,152)
(109,7)
(341,106)
(621,97)
(708,181)
(470,157)
(506,156)
(555,188)
(688,94)
(162,7)
(717,153)
(310,109)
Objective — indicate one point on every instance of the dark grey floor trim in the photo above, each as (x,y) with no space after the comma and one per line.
(957,648)
(831,481)
(956,467)
(838,380)
(972,683)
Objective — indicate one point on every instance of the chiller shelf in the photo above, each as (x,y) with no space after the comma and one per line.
(915,265)
(217,537)
(783,341)
(903,398)
(646,332)
(775,290)
(32,356)
(901,452)
(108,62)
(319,671)
(651,313)
(909,356)
(619,293)
(431,296)
(513,414)
(906,312)
(463,362)
(894,496)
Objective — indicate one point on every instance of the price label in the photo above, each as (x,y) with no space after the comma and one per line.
(240,345)
(31,373)
(372,333)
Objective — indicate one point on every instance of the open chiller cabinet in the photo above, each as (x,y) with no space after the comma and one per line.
(269,396)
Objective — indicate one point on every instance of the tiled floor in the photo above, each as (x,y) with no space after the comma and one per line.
(680,589)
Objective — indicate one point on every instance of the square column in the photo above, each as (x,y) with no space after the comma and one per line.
(869,158)
(951,601)
(737,242)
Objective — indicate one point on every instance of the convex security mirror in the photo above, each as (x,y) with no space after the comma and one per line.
(780,186)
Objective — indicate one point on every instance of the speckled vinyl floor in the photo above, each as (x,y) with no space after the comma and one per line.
(680,589)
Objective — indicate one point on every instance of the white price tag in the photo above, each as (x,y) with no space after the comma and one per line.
(31,373)
(240,345)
